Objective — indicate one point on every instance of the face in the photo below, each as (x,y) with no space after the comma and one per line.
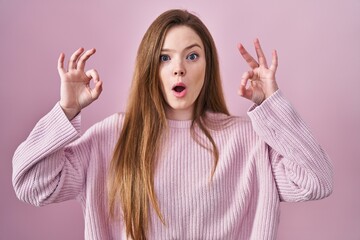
(182,71)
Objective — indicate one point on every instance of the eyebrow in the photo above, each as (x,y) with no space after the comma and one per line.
(187,48)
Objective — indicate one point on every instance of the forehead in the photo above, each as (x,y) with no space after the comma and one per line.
(179,37)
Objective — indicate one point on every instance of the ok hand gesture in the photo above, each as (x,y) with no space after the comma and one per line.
(76,92)
(262,78)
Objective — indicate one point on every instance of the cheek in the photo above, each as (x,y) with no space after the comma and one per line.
(163,76)
(199,75)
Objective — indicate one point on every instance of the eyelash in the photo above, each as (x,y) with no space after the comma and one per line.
(165,58)
(193,54)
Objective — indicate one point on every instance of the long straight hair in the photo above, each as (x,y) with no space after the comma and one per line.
(131,173)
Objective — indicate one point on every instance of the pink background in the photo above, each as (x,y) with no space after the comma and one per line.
(319,69)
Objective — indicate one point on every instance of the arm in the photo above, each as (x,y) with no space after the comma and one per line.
(45,167)
(301,169)
(49,166)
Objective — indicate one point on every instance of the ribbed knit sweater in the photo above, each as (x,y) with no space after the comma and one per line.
(265,158)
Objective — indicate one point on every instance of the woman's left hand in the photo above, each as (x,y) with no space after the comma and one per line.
(262,78)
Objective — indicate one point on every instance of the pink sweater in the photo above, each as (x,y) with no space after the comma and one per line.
(270,158)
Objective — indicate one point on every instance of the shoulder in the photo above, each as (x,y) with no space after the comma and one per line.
(115,119)
(230,125)
(110,125)
(222,121)
(232,130)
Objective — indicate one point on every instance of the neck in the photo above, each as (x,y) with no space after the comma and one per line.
(179,114)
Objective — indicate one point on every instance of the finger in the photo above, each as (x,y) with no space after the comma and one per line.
(248,58)
(274,62)
(74,58)
(247,76)
(84,57)
(60,65)
(96,91)
(260,53)
(93,74)
(243,90)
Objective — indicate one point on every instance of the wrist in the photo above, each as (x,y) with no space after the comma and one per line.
(69,112)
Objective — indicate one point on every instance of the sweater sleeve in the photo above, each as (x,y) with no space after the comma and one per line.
(49,166)
(301,168)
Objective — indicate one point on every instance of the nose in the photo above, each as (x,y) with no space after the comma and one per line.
(179,70)
(179,73)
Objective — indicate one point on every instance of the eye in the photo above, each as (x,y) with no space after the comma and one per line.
(164,58)
(192,56)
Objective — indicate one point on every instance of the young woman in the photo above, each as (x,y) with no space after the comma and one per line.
(175,165)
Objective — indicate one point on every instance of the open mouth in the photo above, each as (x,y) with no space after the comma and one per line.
(178,89)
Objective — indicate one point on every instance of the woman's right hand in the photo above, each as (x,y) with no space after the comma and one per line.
(76,92)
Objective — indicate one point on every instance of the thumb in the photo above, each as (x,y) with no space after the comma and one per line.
(244,91)
(96,91)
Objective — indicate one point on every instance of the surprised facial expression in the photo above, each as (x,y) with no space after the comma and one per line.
(182,71)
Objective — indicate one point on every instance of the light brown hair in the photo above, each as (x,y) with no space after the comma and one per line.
(131,173)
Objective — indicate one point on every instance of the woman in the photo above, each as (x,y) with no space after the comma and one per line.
(175,165)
